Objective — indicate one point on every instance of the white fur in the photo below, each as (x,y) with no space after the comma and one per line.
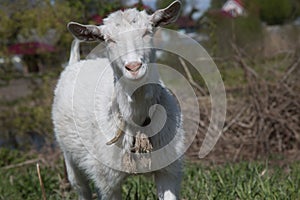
(84,113)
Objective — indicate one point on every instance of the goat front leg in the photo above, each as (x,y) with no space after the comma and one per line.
(168,183)
(115,194)
(108,184)
(77,179)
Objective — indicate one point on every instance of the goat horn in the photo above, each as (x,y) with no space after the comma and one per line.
(120,132)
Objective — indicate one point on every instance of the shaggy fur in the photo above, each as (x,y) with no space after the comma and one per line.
(93,96)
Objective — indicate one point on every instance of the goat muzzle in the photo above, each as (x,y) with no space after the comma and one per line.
(133,66)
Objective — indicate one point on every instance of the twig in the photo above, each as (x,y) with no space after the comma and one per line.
(237,153)
(190,77)
(235,119)
(27,162)
(240,59)
(290,70)
(41,181)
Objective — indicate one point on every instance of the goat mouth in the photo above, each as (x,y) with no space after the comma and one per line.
(133,70)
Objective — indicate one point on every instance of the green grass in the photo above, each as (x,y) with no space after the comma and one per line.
(232,181)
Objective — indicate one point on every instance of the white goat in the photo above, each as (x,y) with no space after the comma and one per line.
(89,111)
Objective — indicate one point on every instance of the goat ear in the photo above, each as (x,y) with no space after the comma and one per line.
(167,15)
(85,32)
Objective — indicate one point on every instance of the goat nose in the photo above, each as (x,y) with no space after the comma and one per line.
(133,66)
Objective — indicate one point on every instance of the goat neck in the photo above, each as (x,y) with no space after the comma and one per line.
(134,98)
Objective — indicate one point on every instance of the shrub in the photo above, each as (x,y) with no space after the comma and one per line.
(275,11)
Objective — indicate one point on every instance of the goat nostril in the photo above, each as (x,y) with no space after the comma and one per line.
(133,66)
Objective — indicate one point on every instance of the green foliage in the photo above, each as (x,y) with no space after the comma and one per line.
(87,8)
(296,9)
(275,11)
(217,4)
(132,188)
(9,157)
(244,31)
(21,182)
(31,113)
(26,16)
(247,30)
(163,3)
(25,119)
(28,21)
(238,181)
(231,181)
(7,73)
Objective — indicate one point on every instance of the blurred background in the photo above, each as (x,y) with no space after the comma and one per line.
(254,43)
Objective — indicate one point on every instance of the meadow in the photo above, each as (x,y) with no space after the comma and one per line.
(243,180)
(239,167)
(257,156)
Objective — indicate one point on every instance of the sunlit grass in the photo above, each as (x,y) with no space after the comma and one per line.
(232,181)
